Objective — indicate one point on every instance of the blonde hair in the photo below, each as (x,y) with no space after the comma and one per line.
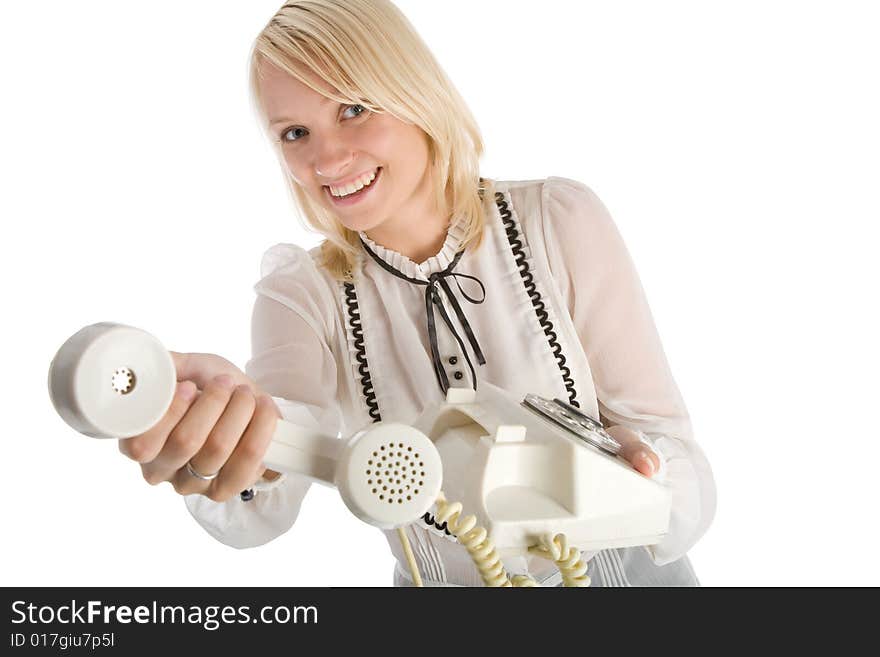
(370,54)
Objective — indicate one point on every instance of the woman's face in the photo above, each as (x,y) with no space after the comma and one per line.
(331,149)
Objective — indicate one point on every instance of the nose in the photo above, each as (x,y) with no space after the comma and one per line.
(333,159)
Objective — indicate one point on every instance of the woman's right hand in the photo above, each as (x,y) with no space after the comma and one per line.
(218,422)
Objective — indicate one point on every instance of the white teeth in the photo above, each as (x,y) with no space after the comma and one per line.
(356,186)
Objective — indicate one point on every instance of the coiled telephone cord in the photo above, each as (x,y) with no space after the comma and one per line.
(567,559)
(476,540)
(482,550)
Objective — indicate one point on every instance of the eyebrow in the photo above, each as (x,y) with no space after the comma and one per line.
(282,119)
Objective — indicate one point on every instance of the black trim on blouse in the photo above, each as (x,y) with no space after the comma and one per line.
(357,331)
(519,255)
(431,522)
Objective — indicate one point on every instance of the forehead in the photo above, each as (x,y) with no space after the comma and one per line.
(283,94)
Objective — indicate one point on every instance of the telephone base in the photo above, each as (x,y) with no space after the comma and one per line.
(524,478)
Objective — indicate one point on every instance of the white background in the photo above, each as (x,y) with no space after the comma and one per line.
(736,145)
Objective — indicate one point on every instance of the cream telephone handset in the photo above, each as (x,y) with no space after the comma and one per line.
(537,476)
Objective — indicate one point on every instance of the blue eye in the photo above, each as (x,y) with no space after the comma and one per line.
(363,109)
(284,135)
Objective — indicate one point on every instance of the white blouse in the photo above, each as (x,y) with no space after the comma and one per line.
(564,315)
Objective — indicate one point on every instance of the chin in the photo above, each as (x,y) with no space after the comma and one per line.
(361,226)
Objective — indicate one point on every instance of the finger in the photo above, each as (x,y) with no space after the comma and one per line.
(245,465)
(635,450)
(145,447)
(187,438)
(644,460)
(220,444)
(203,368)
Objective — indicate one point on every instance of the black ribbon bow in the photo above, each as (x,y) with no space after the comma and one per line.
(432,299)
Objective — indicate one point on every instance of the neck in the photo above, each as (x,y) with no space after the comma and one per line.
(418,231)
(417,245)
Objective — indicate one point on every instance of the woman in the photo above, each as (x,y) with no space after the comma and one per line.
(382,156)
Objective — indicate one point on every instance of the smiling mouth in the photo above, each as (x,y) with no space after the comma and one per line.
(355,197)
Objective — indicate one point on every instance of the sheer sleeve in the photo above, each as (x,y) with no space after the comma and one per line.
(291,361)
(293,325)
(633,381)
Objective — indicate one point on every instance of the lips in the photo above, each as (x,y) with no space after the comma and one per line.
(364,180)
(357,197)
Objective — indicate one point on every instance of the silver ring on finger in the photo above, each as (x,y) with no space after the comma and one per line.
(198,475)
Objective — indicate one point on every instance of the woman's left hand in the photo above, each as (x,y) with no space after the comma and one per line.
(640,455)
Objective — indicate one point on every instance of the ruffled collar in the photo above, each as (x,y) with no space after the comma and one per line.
(433,265)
